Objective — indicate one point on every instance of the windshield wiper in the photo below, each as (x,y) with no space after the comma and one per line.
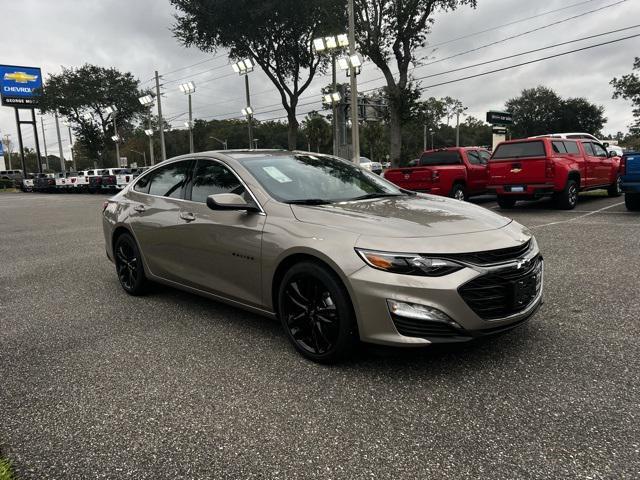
(308,201)
(377,195)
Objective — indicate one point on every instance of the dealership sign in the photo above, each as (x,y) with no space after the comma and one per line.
(18,86)
(499,118)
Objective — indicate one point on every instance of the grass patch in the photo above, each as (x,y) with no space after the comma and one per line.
(6,472)
(8,190)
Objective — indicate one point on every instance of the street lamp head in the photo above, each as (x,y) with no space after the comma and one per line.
(343,63)
(355,61)
(243,66)
(188,124)
(149,132)
(336,97)
(247,111)
(331,42)
(318,45)
(115,138)
(343,40)
(146,100)
(326,99)
(88,116)
(111,109)
(188,88)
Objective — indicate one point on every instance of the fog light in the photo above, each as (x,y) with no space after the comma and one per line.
(419,312)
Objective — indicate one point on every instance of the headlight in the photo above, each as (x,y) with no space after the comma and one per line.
(408,264)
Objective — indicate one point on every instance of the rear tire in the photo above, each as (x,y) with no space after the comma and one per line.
(632,201)
(506,203)
(129,266)
(458,193)
(615,189)
(568,198)
(316,313)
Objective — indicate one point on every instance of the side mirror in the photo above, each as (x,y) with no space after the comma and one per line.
(229,201)
(605,145)
(612,154)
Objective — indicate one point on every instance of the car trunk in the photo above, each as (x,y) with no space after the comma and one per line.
(518,164)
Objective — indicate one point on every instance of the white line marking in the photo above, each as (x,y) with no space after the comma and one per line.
(579,217)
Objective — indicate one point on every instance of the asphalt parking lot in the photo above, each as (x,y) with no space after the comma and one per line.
(97,384)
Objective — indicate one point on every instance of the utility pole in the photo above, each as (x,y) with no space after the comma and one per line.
(457,128)
(8,147)
(191,147)
(160,121)
(424,138)
(355,133)
(73,158)
(151,152)
(249,110)
(334,122)
(117,140)
(63,169)
(44,140)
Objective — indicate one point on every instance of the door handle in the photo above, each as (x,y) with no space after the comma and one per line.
(187,216)
(139,208)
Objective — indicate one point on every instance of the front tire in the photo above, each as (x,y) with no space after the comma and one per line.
(316,313)
(615,189)
(129,265)
(506,203)
(632,201)
(568,198)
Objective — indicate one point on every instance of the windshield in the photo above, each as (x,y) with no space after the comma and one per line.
(442,157)
(317,178)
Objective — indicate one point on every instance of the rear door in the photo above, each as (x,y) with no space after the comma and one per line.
(221,250)
(519,164)
(476,172)
(592,165)
(155,208)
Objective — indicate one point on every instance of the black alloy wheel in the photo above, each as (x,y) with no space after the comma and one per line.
(316,313)
(129,265)
(615,189)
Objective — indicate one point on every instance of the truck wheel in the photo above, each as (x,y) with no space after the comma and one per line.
(457,192)
(568,198)
(129,265)
(506,203)
(615,189)
(632,201)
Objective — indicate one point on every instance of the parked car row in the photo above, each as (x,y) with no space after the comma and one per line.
(92,181)
(526,169)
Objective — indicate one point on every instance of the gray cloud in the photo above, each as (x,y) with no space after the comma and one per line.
(135,36)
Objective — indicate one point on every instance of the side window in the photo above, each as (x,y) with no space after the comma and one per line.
(212,178)
(588,148)
(484,157)
(474,157)
(142,185)
(572,148)
(169,181)
(558,147)
(600,150)
(574,137)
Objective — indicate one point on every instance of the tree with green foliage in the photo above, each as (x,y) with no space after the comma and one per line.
(276,34)
(628,87)
(540,110)
(82,96)
(318,133)
(394,30)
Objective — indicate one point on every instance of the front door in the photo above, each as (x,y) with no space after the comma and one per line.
(604,165)
(476,172)
(221,249)
(156,201)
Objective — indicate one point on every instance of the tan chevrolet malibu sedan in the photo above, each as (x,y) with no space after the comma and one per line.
(332,250)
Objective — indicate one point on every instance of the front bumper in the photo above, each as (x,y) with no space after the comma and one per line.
(372,288)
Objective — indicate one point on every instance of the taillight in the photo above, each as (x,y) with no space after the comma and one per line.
(105,204)
(550,168)
(126,179)
(435,176)
(623,165)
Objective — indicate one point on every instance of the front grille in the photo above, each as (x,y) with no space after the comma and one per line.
(505,292)
(492,257)
(410,327)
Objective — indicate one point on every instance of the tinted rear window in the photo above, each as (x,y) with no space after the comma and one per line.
(572,147)
(440,158)
(520,150)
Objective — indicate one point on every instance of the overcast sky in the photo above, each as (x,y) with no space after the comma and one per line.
(135,36)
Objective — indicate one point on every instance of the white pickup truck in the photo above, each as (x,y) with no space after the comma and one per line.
(27,183)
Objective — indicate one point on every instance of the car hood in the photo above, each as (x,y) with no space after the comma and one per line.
(417,216)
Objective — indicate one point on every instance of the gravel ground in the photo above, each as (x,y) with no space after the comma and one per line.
(97,384)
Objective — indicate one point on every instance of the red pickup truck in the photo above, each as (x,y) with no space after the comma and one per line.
(534,168)
(457,172)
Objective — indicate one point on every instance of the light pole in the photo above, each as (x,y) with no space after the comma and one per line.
(147,101)
(44,141)
(6,140)
(355,64)
(222,142)
(62,166)
(113,110)
(459,111)
(432,134)
(144,155)
(73,159)
(332,44)
(163,148)
(189,88)
(243,68)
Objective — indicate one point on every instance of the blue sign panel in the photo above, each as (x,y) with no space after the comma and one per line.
(17,86)
(1,149)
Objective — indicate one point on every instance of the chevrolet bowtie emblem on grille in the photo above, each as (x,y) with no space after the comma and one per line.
(522,264)
(516,170)
(406,176)
(20,77)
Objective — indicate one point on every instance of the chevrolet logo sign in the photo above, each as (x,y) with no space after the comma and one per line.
(516,170)
(20,77)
